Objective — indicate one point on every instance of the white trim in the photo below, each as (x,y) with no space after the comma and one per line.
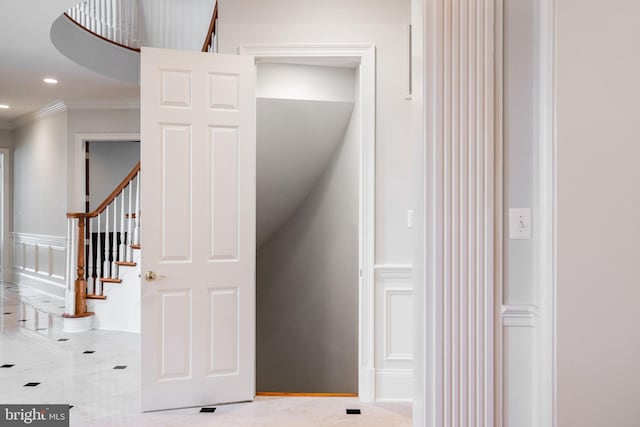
(546,378)
(40,240)
(499,319)
(47,110)
(127,104)
(520,315)
(388,354)
(79,179)
(395,382)
(365,55)
(393,271)
(5,212)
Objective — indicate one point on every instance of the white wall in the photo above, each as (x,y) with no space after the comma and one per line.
(40,176)
(381,22)
(598,185)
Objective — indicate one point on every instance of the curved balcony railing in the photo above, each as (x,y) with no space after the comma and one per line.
(164,24)
(116,21)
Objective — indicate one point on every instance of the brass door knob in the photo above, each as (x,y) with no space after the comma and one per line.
(149,275)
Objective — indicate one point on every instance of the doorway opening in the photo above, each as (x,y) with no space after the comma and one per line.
(308,131)
(106,164)
(314,290)
(5,248)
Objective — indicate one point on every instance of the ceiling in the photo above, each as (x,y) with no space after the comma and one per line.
(27,55)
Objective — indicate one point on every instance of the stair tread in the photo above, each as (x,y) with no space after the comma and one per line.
(94,296)
(126,263)
(110,280)
(135,246)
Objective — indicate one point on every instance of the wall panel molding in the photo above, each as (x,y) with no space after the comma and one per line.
(393,332)
(39,262)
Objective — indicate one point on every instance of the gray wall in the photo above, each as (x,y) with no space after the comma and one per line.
(307,286)
(109,163)
(520,148)
(598,204)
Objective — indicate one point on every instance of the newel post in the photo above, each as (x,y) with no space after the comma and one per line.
(80,282)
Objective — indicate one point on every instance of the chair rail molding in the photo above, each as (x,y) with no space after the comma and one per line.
(520,315)
(394,353)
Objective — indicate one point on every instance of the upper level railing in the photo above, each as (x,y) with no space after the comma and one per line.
(211,41)
(116,21)
(122,21)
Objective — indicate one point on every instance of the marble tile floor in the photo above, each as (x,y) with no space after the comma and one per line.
(98,373)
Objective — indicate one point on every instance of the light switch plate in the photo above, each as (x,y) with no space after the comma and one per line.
(410,218)
(520,223)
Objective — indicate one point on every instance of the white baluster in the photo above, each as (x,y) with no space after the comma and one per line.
(98,283)
(108,18)
(69,308)
(136,230)
(103,15)
(123,242)
(130,224)
(92,11)
(117,20)
(89,273)
(114,242)
(73,245)
(106,265)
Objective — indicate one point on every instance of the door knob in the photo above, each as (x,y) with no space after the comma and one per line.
(150,275)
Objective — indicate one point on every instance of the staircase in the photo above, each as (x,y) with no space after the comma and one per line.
(103,261)
(103,246)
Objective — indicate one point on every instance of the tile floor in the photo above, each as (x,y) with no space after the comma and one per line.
(97,372)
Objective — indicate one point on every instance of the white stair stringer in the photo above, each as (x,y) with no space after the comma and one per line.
(121,310)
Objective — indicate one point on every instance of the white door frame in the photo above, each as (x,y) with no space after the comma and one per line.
(80,140)
(365,55)
(5,203)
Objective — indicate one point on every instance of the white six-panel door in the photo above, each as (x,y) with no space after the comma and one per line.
(198,236)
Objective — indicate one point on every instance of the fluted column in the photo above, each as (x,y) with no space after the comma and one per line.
(463,188)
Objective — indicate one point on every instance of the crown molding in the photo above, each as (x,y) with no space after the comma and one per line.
(47,110)
(125,104)
(60,106)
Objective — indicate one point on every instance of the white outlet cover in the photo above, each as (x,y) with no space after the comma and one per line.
(520,223)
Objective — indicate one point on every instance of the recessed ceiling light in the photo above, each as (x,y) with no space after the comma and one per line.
(4,106)
(50,81)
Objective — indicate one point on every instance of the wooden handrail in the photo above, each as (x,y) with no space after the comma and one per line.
(135,49)
(110,198)
(212,30)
